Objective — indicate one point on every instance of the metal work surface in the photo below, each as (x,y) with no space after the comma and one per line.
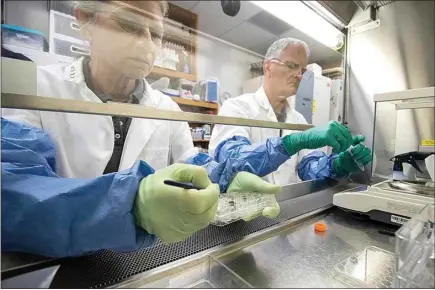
(19,101)
(106,268)
(303,258)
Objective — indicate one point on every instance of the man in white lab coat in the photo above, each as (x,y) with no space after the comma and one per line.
(77,183)
(279,155)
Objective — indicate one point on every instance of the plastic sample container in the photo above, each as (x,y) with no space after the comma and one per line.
(235,206)
(414,266)
(369,268)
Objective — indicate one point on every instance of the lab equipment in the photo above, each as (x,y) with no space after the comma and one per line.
(405,188)
(371,267)
(414,253)
(303,101)
(430,165)
(20,36)
(39,57)
(197,133)
(410,158)
(166,211)
(315,68)
(207,131)
(235,206)
(208,90)
(184,87)
(168,56)
(330,134)
(65,36)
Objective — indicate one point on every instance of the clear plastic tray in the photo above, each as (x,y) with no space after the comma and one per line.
(209,273)
(235,206)
(369,268)
(415,251)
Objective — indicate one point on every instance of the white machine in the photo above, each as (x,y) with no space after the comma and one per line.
(395,201)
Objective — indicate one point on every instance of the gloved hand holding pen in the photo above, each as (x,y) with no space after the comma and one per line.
(331,134)
(173,213)
(351,160)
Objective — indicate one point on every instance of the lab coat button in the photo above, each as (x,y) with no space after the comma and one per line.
(117,136)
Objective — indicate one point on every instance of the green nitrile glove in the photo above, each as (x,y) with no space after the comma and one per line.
(331,134)
(247,182)
(173,213)
(346,162)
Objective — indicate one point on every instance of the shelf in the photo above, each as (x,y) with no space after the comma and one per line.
(193,103)
(201,140)
(163,72)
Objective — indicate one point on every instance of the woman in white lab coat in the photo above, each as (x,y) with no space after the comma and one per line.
(94,206)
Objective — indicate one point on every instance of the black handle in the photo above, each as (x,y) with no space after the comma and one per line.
(181,184)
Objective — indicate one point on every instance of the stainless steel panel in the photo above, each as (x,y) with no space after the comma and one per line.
(398,55)
(343,10)
(295,190)
(302,258)
(18,101)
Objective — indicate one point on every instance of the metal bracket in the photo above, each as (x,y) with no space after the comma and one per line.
(365,27)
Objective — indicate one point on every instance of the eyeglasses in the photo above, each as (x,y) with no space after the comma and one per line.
(291,66)
(135,27)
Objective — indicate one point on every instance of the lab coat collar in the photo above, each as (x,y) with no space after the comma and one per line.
(260,96)
(74,73)
(140,130)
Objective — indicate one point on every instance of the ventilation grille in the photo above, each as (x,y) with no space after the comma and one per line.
(106,268)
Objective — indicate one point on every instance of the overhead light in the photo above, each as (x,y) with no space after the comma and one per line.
(303,18)
(318,8)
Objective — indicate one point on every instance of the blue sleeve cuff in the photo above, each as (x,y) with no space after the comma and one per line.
(317,165)
(45,214)
(237,154)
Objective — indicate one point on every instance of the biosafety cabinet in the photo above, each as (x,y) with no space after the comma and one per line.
(403,156)
(319,239)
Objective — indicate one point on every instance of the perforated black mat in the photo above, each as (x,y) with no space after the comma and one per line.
(105,268)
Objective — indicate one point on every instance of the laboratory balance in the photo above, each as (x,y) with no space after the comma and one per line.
(403,127)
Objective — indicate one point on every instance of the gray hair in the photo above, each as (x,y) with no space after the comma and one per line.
(93,6)
(274,51)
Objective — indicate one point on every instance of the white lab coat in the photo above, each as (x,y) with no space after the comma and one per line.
(84,143)
(256,106)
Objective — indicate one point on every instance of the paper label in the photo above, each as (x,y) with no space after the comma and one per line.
(398,219)
(314,106)
(427,142)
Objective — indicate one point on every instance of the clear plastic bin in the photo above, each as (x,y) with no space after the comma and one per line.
(208,274)
(415,251)
(235,206)
(369,268)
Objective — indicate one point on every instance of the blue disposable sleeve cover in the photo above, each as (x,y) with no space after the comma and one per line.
(45,214)
(237,154)
(317,165)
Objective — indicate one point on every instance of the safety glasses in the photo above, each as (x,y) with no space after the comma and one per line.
(294,68)
(135,24)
